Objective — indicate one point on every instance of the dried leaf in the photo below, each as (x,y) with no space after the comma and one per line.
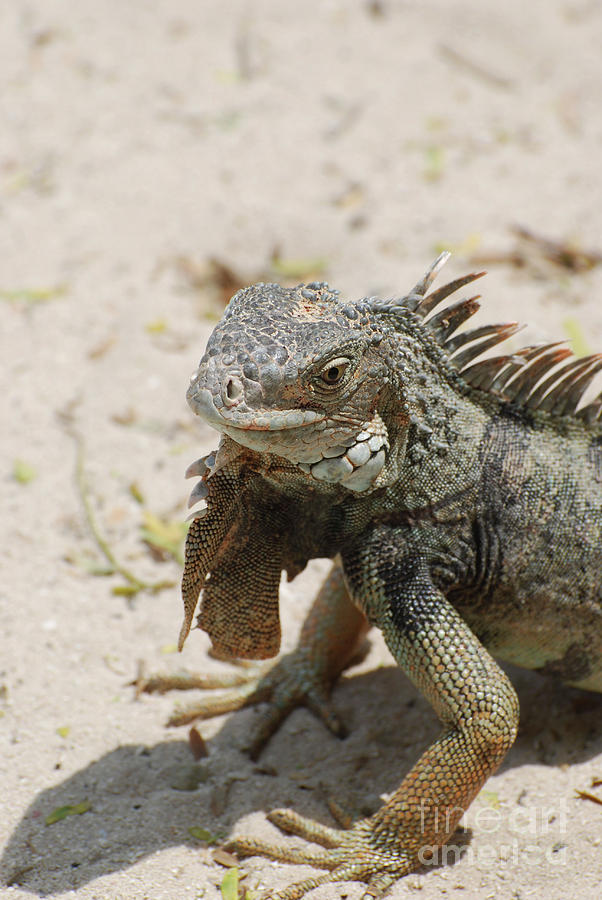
(23,472)
(61,812)
(213,274)
(531,250)
(197,744)
(475,68)
(125,418)
(564,253)
(223,858)
(103,347)
(376,9)
(586,795)
(352,197)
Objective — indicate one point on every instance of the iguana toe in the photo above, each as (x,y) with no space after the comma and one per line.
(350,855)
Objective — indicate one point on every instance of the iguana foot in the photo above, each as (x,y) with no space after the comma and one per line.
(350,855)
(331,639)
(290,682)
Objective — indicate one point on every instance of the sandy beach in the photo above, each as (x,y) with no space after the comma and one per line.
(153,158)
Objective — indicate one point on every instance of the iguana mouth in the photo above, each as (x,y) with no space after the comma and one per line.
(351,454)
(239,418)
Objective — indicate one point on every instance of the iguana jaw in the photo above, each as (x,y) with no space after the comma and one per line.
(352,455)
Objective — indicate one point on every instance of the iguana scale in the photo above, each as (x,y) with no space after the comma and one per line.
(461,502)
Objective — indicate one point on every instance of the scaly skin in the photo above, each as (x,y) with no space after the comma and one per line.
(463,500)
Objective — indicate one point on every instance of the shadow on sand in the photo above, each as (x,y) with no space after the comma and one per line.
(144,799)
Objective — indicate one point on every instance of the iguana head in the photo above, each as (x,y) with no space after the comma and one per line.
(346,391)
(298,372)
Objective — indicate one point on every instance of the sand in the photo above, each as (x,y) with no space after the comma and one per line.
(351,140)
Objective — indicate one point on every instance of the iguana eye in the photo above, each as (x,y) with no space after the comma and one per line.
(334,371)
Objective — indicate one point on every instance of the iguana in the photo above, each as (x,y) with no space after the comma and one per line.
(461,502)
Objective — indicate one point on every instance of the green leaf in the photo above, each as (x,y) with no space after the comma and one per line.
(491,798)
(61,812)
(98,569)
(575,334)
(136,493)
(298,268)
(33,295)
(188,778)
(23,472)
(229,887)
(164,535)
(90,564)
(228,119)
(202,834)
(157,326)
(127,590)
(434,163)
(465,247)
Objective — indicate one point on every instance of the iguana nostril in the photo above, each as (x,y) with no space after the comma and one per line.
(233,391)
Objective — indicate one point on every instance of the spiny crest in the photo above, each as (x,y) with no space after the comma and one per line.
(537,377)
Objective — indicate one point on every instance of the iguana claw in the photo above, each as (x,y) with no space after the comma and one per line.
(349,855)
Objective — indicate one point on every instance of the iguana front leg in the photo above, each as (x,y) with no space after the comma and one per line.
(472,697)
(330,637)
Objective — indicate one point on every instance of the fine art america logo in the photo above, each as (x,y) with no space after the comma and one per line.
(535,836)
